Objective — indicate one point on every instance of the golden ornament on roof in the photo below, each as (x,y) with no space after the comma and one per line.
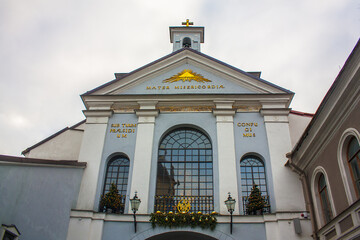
(187,23)
(186,75)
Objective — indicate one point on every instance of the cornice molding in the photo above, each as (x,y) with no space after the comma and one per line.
(97,113)
(147,112)
(224,112)
(126,101)
(324,131)
(275,111)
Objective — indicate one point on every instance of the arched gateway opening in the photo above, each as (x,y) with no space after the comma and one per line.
(180,236)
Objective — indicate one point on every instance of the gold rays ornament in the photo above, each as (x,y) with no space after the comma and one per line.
(186,75)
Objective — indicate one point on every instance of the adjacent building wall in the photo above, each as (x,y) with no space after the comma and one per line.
(328,159)
(297,124)
(63,146)
(38,199)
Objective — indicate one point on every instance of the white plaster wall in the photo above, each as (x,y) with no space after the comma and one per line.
(297,126)
(65,146)
(91,152)
(281,227)
(287,186)
(287,230)
(227,161)
(142,162)
(79,229)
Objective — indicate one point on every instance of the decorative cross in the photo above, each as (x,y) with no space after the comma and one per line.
(187,23)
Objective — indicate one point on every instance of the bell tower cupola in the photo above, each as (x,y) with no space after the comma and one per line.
(186,36)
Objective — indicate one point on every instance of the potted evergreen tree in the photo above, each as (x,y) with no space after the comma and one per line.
(256,203)
(111,201)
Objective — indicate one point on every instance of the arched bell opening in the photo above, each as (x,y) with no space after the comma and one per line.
(186,42)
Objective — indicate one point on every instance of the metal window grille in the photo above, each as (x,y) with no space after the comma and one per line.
(117,172)
(185,169)
(253,172)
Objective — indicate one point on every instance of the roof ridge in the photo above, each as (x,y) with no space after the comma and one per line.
(8,158)
(196,52)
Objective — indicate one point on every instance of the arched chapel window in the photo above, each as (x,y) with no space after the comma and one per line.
(117,172)
(253,172)
(353,158)
(185,170)
(324,199)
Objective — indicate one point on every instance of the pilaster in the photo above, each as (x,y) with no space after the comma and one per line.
(226,153)
(279,142)
(91,152)
(143,152)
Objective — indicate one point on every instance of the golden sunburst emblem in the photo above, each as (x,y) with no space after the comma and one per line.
(183,206)
(186,75)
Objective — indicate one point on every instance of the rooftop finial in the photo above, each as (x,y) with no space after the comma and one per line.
(187,23)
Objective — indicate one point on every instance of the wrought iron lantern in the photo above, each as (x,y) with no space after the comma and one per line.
(135,203)
(230,204)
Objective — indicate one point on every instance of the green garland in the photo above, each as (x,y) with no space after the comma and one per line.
(171,219)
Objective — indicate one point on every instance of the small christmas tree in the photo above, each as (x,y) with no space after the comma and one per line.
(111,200)
(255,201)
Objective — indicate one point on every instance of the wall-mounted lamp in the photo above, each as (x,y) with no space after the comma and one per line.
(230,204)
(135,203)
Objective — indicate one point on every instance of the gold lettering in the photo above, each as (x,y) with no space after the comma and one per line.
(124,136)
(248,124)
(176,87)
(247,134)
(148,88)
(112,130)
(221,86)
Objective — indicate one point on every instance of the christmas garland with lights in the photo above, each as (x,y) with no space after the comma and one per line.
(171,219)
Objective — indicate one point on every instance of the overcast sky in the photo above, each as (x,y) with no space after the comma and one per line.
(53,51)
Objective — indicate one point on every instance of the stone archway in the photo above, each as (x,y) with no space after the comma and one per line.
(180,235)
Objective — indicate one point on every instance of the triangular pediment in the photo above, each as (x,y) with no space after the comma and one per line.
(187,72)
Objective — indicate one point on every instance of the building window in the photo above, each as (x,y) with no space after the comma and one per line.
(117,172)
(324,199)
(253,172)
(185,170)
(353,158)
